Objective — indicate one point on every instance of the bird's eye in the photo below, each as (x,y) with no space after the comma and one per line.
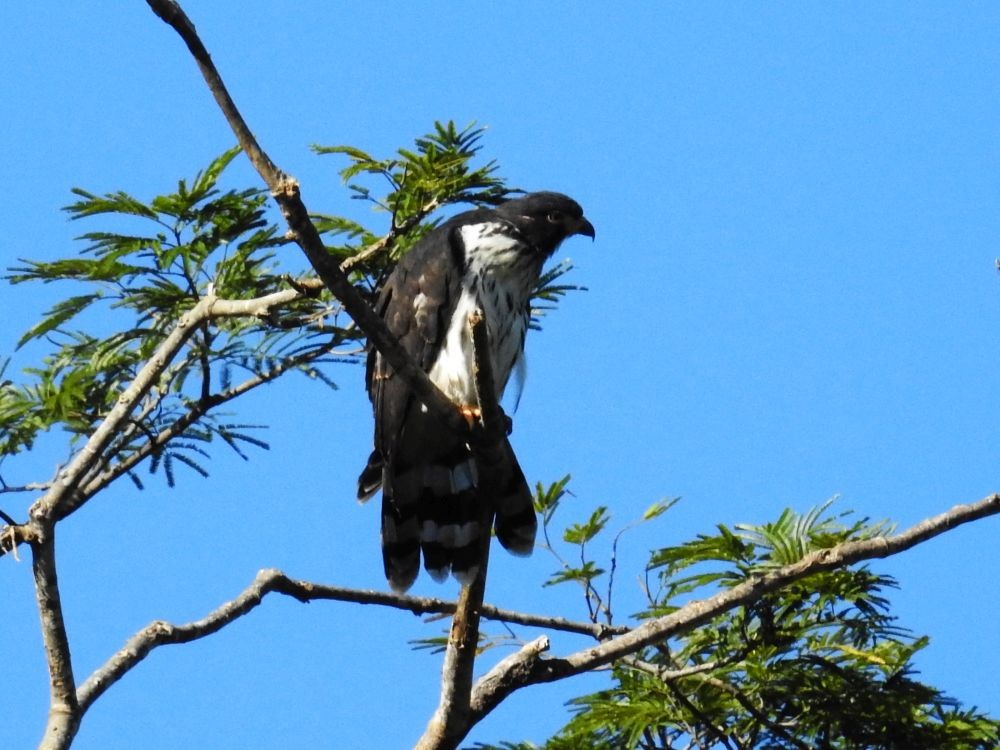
(555,217)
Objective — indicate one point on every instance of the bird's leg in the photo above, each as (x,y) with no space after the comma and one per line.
(474,418)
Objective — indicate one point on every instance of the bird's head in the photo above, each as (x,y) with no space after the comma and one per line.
(546,219)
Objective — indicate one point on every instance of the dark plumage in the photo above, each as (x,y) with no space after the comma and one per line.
(489,259)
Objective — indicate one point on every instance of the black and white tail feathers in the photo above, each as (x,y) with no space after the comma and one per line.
(433,511)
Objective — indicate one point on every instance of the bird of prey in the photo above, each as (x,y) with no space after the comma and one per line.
(488,259)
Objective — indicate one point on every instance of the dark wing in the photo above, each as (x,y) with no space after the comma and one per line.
(429,477)
(416,303)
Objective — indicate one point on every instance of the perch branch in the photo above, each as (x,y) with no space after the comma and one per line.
(451,718)
(64,710)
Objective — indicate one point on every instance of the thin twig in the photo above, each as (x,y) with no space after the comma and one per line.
(30,487)
(759,715)
(706,721)
(386,241)
(666,674)
(196,412)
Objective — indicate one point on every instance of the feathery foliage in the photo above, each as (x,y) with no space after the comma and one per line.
(153,261)
(819,663)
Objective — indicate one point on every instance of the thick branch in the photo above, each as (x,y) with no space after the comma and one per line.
(64,711)
(485,696)
(450,721)
(494,686)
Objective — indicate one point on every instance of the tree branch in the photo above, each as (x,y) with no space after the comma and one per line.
(64,710)
(450,721)
(526,667)
(161,633)
(486,696)
(285,191)
(759,715)
(62,498)
(667,675)
(77,481)
(386,241)
(196,412)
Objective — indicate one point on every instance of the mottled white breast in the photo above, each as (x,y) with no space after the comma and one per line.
(501,272)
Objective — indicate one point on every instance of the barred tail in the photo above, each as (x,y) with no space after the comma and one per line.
(516,523)
(433,511)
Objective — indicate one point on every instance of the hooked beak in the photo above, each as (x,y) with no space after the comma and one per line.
(582,226)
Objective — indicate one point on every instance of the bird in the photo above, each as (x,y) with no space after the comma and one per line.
(488,259)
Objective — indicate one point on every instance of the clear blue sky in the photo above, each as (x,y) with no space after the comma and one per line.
(792,296)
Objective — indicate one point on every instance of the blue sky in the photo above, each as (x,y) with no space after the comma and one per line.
(792,296)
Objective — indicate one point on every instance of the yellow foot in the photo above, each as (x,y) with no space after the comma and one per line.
(472,414)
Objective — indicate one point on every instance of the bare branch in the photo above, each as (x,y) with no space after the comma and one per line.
(161,633)
(524,668)
(506,675)
(30,487)
(450,721)
(14,535)
(64,710)
(666,674)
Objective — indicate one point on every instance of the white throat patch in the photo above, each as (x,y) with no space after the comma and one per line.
(501,272)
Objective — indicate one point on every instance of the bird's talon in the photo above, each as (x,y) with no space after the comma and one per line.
(472,414)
